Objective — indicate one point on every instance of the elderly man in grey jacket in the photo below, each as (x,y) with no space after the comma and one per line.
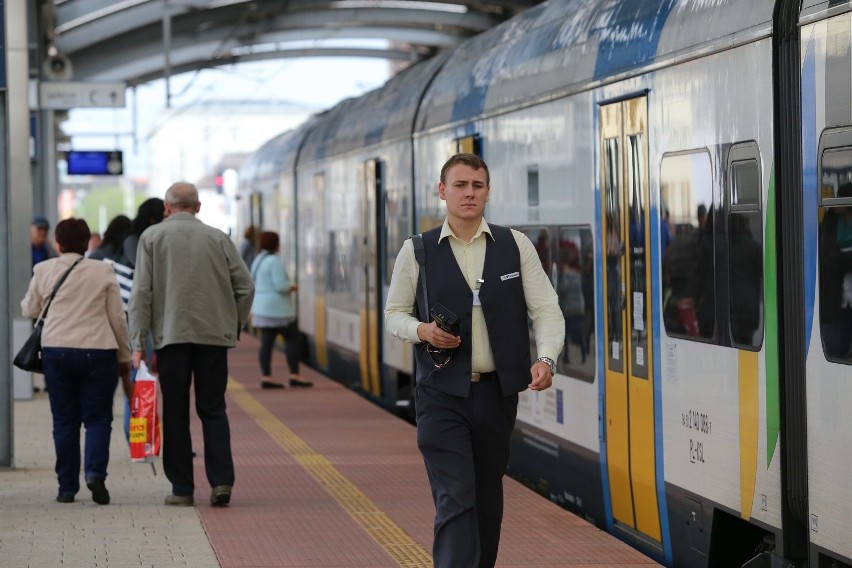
(191,290)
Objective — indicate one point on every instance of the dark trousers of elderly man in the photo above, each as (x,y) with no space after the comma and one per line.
(178,364)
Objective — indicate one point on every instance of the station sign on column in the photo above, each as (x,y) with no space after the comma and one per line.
(65,95)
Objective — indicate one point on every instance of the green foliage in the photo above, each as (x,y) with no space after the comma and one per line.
(88,204)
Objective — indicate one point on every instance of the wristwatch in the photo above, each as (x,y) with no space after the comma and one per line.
(549,362)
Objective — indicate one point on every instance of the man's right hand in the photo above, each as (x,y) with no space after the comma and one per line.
(137,358)
(437,337)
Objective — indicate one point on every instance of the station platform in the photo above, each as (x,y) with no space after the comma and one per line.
(324,479)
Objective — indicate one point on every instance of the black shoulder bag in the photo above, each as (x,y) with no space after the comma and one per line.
(444,318)
(420,255)
(29,357)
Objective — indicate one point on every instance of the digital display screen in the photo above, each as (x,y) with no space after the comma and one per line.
(94,163)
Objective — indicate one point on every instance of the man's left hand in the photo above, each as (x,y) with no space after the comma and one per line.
(542,378)
(137,358)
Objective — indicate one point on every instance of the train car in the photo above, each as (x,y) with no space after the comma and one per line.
(824,381)
(267,190)
(684,169)
(354,202)
(607,125)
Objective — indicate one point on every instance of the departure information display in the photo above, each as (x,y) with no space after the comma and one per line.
(94,163)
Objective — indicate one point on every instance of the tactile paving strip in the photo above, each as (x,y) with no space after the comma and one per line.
(395,541)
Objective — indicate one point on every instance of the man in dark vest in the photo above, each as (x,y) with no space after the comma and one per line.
(468,379)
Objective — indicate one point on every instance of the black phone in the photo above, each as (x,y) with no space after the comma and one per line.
(446,319)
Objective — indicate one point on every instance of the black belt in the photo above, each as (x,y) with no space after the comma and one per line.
(482,377)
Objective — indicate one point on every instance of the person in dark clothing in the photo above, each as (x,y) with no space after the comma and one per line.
(746,277)
(150,212)
(112,244)
(40,245)
(703,286)
(490,277)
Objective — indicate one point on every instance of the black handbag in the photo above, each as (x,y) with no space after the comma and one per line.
(29,357)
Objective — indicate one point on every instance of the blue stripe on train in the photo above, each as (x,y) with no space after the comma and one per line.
(810,193)
(631,35)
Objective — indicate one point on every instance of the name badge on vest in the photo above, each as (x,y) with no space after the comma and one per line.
(510,276)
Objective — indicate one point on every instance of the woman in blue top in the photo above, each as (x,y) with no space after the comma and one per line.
(272,311)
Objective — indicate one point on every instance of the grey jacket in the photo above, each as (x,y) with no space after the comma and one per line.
(190,286)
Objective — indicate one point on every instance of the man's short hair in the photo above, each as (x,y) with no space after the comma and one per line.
(470,160)
(41,223)
(182,195)
(73,235)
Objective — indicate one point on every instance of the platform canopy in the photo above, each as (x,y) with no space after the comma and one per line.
(135,41)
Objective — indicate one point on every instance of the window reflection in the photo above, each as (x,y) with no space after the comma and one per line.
(638,304)
(397,226)
(835,255)
(745,258)
(572,274)
(686,189)
(614,246)
(575,285)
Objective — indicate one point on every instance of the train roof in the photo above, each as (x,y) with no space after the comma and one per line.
(382,115)
(564,46)
(818,9)
(276,155)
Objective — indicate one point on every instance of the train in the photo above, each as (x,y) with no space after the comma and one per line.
(684,169)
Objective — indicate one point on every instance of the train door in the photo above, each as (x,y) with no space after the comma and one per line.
(371,305)
(320,281)
(256,210)
(628,363)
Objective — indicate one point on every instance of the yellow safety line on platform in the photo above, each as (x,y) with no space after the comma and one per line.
(395,541)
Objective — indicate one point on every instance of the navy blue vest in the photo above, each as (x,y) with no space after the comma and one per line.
(503,305)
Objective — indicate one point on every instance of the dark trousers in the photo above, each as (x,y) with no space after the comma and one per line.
(208,364)
(80,385)
(268,335)
(465,446)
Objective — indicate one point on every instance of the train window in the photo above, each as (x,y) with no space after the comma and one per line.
(638,305)
(540,237)
(745,248)
(836,173)
(469,145)
(575,286)
(614,245)
(397,226)
(686,193)
(532,186)
(568,260)
(835,248)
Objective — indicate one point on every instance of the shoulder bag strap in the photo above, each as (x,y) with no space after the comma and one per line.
(420,255)
(56,288)
(263,257)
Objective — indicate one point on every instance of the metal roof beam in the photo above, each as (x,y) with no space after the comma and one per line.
(189,66)
(145,58)
(242,20)
(122,40)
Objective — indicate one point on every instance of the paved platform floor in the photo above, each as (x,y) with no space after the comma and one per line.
(324,479)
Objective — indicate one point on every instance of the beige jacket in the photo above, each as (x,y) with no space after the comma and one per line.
(86,313)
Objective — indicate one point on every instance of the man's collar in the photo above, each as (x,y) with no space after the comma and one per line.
(181,215)
(447,231)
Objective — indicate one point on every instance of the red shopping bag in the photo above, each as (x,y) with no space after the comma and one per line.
(144,418)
